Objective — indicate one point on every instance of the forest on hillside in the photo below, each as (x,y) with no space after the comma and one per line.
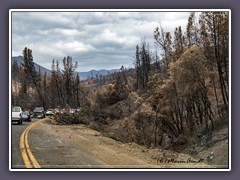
(170,99)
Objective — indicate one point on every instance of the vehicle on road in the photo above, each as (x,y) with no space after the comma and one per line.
(40,116)
(38,111)
(50,112)
(26,116)
(17,114)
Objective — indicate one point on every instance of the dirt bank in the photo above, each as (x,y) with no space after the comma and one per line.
(74,139)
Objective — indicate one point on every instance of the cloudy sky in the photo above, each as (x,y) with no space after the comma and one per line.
(96,40)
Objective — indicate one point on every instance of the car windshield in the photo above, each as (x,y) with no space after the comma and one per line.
(25,113)
(38,109)
(15,109)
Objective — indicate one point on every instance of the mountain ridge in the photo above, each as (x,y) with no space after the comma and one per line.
(83,75)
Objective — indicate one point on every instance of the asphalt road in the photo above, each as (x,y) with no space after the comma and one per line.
(50,151)
(16,131)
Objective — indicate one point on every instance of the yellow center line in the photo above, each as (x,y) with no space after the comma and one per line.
(26,152)
(34,161)
(23,152)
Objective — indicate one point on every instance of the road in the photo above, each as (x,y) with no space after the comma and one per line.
(49,146)
(68,147)
(16,131)
(48,151)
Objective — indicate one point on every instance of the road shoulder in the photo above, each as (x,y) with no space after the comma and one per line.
(77,146)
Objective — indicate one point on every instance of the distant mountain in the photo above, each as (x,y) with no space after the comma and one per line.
(83,75)
(19,60)
(94,73)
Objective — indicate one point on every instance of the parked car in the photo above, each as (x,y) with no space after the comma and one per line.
(17,114)
(50,112)
(26,116)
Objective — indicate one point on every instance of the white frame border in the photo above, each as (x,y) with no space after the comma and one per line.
(115,10)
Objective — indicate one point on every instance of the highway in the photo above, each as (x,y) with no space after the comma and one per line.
(35,148)
(15,153)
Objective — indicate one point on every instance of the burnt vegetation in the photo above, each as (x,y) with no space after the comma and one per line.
(168,102)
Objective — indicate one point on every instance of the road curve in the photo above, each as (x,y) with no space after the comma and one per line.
(27,155)
(15,153)
(53,152)
(33,148)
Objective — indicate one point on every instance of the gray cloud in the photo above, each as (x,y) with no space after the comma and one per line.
(97,40)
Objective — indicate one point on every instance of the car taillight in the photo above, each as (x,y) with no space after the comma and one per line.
(20,115)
